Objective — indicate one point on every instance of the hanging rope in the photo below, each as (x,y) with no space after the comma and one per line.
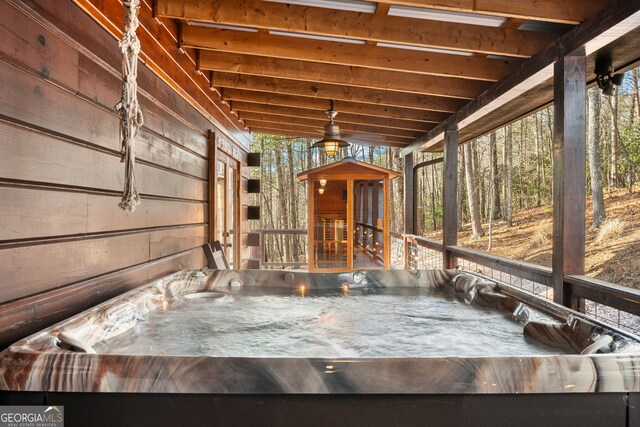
(130,114)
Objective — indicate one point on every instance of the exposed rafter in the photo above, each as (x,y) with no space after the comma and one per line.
(319,123)
(305,132)
(598,32)
(345,133)
(242,107)
(340,74)
(383,58)
(349,107)
(359,26)
(565,11)
(337,92)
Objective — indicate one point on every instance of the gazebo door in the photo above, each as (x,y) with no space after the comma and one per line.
(369,216)
(332,240)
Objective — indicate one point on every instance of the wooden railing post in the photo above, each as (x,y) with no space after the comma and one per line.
(569,158)
(254,241)
(405,241)
(450,195)
(409,196)
(263,252)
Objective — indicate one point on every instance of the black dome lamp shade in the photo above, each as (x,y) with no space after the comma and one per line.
(605,78)
(331,141)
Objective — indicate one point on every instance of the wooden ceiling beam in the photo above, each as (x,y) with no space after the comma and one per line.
(340,106)
(382,58)
(598,32)
(345,133)
(565,11)
(340,74)
(382,9)
(336,92)
(319,123)
(376,27)
(288,130)
(304,132)
(284,133)
(246,107)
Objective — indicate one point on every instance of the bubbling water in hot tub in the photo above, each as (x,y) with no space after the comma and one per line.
(376,323)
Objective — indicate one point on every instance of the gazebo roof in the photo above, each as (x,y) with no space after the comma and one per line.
(348,165)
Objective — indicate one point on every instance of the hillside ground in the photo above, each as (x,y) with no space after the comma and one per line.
(612,252)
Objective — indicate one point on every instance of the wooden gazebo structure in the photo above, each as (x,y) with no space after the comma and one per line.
(348,216)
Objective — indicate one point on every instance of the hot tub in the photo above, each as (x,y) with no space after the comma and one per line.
(256,332)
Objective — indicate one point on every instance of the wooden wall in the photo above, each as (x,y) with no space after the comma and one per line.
(65,245)
(332,203)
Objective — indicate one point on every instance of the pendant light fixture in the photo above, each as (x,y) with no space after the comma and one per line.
(331,141)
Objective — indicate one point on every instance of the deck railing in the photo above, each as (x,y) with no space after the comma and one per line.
(260,240)
(613,304)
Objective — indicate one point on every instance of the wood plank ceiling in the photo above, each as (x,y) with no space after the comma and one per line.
(395,68)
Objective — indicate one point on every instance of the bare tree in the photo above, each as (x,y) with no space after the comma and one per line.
(282,208)
(634,116)
(593,138)
(293,204)
(615,138)
(508,165)
(398,163)
(550,129)
(309,153)
(635,75)
(461,192)
(433,197)
(538,131)
(478,174)
(472,194)
(522,161)
(495,177)
(493,187)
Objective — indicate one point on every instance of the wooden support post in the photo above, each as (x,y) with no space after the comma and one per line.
(212,185)
(311,223)
(361,211)
(386,224)
(350,225)
(365,214)
(374,203)
(409,196)
(450,195)
(569,151)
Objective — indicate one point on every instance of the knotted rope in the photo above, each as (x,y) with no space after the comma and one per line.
(130,114)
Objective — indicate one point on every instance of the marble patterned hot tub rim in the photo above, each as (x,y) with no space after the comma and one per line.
(37,364)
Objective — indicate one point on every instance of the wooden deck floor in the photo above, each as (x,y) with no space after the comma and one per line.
(363,259)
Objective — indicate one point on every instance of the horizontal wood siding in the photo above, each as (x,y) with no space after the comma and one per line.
(22,316)
(65,245)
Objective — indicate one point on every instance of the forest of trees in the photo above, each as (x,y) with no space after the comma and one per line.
(499,174)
